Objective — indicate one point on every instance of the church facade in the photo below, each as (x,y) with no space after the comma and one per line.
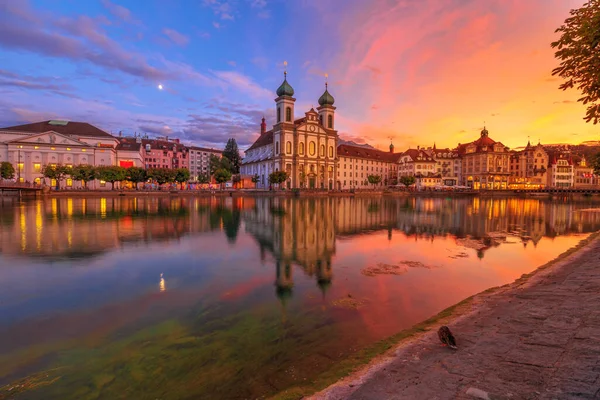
(307,150)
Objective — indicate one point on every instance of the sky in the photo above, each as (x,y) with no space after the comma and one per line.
(416,72)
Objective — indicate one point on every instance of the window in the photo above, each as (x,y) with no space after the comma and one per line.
(312,148)
(331,151)
(37,167)
(288,114)
(301,148)
(102,183)
(278,114)
(53,182)
(321,120)
(322,150)
(330,121)
(288,147)
(20,166)
(276,147)
(69,182)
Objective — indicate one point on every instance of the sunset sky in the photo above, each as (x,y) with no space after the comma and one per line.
(419,71)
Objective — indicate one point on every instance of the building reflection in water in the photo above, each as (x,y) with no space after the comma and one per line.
(302,232)
(298,233)
(161,284)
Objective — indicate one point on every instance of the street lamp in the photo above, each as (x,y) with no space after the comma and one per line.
(19,166)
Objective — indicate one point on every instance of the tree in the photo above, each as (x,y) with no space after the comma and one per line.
(232,153)
(136,175)
(278,177)
(214,163)
(255,180)
(222,175)
(203,178)
(112,174)
(7,171)
(578,50)
(596,164)
(374,180)
(161,175)
(407,180)
(56,172)
(84,173)
(182,175)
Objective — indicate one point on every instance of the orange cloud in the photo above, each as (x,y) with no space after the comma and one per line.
(437,69)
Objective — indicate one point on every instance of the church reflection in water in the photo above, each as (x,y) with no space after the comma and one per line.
(296,233)
(302,232)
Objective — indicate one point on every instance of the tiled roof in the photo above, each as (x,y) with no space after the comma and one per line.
(158,144)
(205,149)
(483,141)
(64,127)
(416,153)
(263,140)
(344,150)
(128,145)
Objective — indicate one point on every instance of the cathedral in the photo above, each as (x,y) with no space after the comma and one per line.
(305,148)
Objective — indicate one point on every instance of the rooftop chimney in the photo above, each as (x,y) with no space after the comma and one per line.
(263,126)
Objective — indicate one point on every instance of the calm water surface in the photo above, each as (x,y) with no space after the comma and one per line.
(234,298)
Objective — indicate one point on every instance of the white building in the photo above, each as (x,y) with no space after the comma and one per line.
(30,147)
(199,161)
(306,148)
(421,165)
(448,164)
(310,151)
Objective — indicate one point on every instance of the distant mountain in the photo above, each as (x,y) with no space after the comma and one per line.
(351,143)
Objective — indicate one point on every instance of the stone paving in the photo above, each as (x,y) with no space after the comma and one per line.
(534,340)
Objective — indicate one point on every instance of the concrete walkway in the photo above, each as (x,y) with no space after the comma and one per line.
(534,340)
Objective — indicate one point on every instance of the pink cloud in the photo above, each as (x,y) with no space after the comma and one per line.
(176,37)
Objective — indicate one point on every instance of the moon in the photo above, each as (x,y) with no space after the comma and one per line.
(160,87)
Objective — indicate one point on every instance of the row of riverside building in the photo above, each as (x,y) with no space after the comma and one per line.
(30,147)
(309,150)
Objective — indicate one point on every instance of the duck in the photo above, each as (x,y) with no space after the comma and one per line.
(446,337)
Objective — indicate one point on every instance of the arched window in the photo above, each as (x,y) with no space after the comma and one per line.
(330,151)
(278,114)
(288,114)
(312,148)
(330,121)
(322,150)
(321,119)
(288,147)
(276,147)
(301,148)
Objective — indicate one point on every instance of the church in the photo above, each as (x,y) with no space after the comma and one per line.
(307,149)
(304,147)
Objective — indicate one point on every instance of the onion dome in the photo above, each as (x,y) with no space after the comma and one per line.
(285,89)
(326,99)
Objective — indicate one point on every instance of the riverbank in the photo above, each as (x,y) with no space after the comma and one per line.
(537,337)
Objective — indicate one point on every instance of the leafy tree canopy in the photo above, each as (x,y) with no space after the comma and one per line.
(278,177)
(374,179)
(578,50)
(407,180)
(596,164)
(222,175)
(85,173)
(203,178)
(182,175)
(7,171)
(232,153)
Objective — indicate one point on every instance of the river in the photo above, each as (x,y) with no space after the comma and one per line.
(243,297)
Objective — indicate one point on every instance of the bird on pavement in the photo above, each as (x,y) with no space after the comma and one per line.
(446,337)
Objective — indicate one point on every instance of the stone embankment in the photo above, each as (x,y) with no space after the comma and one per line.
(538,338)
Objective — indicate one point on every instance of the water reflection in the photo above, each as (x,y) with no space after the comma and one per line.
(255,285)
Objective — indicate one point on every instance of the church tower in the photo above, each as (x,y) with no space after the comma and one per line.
(326,109)
(285,102)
